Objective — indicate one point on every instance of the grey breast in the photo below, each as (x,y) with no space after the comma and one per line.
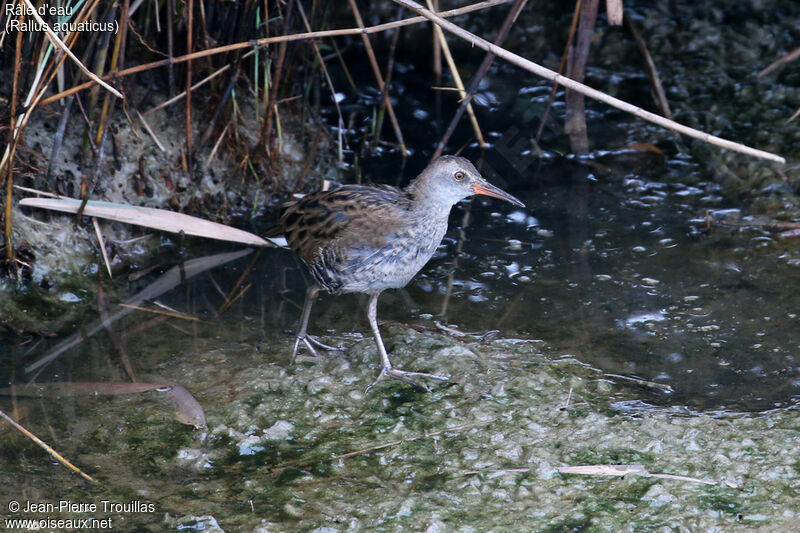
(394,264)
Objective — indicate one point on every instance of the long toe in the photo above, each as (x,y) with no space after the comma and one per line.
(316,342)
(405,376)
(310,342)
(308,345)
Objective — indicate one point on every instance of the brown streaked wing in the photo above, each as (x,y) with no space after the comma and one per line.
(355,214)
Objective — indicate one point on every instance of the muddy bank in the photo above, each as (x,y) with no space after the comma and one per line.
(290,448)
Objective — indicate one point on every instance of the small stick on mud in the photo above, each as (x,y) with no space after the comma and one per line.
(150,131)
(412,438)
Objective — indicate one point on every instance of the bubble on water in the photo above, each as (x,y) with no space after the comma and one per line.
(647,316)
(514,245)
(674,357)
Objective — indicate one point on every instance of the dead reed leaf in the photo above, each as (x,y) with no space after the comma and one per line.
(149,217)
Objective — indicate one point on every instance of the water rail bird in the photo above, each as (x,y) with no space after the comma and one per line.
(366,239)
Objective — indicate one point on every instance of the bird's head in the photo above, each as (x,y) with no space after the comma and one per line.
(449,179)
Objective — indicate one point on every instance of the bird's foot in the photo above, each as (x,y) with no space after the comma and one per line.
(310,341)
(404,375)
(319,344)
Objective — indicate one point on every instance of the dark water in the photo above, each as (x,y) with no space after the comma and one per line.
(611,262)
(624,275)
(620,272)
(639,288)
(618,262)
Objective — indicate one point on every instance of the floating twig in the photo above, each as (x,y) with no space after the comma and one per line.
(47,448)
(608,470)
(172,314)
(639,470)
(791,56)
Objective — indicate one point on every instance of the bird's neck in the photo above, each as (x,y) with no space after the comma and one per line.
(426,201)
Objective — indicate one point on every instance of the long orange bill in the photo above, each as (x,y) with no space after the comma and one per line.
(490,190)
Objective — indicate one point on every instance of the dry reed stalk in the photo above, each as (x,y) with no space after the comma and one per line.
(104,110)
(197,85)
(266,132)
(117,59)
(388,80)
(483,69)
(575,119)
(189,49)
(170,45)
(312,154)
(552,98)
(102,244)
(546,73)
(314,44)
(60,44)
(10,175)
(376,71)
(226,95)
(214,149)
(614,11)
(342,64)
(437,52)
(268,40)
(451,64)
(58,140)
(98,48)
(791,56)
(45,75)
(656,88)
(150,131)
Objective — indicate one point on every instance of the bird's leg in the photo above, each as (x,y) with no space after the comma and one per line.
(302,335)
(386,366)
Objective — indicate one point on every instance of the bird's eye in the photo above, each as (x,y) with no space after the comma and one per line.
(458,175)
